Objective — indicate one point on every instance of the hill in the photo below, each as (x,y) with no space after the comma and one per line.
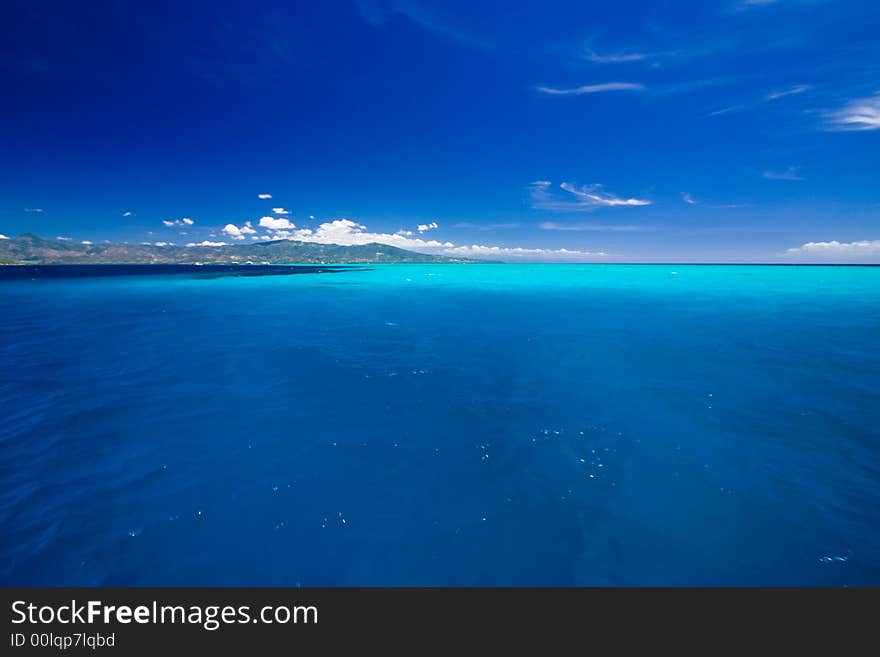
(32,250)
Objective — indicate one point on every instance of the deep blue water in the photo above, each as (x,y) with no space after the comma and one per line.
(443,424)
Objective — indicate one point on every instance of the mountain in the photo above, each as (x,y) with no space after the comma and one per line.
(32,250)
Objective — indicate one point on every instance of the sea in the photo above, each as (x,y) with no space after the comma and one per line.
(440,424)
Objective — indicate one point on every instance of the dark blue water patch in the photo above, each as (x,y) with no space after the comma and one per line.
(443,425)
(37,272)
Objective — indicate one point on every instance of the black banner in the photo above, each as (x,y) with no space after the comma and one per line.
(181,620)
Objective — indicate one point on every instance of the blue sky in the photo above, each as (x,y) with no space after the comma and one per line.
(730,130)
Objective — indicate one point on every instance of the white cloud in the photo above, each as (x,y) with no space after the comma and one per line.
(593,88)
(588,197)
(864,250)
(280,211)
(791,91)
(128,213)
(595,228)
(789,174)
(239,232)
(592,194)
(264,196)
(163,243)
(33,210)
(857,114)
(688,198)
(519,253)
(286,234)
(207,243)
(276,223)
(406,233)
(185,221)
(233,231)
(64,239)
(87,242)
(3,237)
(311,216)
(346,232)
(424,228)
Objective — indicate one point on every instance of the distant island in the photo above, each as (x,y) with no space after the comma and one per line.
(32,250)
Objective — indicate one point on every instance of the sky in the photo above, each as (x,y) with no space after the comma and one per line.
(627,131)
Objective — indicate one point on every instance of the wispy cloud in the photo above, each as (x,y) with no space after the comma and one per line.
(592,89)
(378,12)
(520,253)
(34,210)
(3,237)
(485,227)
(724,110)
(791,91)
(264,196)
(585,198)
(863,250)
(185,221)
(789,174)
(424,228)
(280,211)
(594,228)
(687,198)
(749,4)
(128,213)
(857,114)
(615,58)
(753,104)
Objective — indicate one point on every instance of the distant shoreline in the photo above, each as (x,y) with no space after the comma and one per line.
(364,265)
(33,250)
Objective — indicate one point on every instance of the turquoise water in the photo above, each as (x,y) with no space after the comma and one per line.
(443,424)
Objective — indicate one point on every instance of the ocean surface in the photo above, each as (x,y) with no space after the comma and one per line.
(441,425)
